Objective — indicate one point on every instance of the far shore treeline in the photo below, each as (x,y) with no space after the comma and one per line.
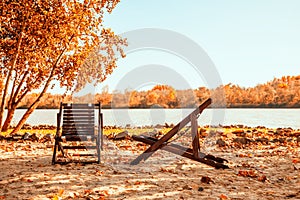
(279,93)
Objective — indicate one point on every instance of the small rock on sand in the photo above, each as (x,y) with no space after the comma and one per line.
(241,140)
(221,143)
(121,136)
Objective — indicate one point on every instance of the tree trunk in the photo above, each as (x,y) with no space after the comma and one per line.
(2,106)
(35,104)
(13,103)
(9,118)
(28,113)
(3,101)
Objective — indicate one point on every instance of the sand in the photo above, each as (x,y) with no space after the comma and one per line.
(258,170)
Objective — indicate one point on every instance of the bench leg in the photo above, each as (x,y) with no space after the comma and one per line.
(98,150)
(54,152)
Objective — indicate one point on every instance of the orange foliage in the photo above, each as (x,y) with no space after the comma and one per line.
(43,41)
(283,92)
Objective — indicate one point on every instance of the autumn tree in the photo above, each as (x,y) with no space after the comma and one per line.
(104,97)
(135,99)
(163,95)
(43,43)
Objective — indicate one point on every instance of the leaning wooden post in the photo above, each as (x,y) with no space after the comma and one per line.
(195,136)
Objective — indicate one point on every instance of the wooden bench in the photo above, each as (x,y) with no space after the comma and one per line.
(79,129)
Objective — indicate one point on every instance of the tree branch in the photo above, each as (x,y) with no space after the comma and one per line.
(19,87)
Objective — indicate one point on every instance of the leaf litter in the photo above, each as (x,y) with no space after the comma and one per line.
(258,170)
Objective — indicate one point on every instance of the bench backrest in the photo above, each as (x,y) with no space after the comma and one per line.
(79,119)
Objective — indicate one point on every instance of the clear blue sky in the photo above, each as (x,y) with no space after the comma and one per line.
(249,41)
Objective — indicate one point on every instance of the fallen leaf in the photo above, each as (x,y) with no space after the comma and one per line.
(206,179)
(87,192)
(249,173)
(56,198)
(137,183)
(99,173)
(291,195)
(126,147)
(223,197)
(187,187)
(104,193)
(60,192)
(166,170)
(262,178)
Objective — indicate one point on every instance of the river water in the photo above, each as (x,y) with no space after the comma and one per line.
(272,118)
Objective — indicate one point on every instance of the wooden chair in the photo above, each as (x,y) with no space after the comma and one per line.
(193,153)
(79,131)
